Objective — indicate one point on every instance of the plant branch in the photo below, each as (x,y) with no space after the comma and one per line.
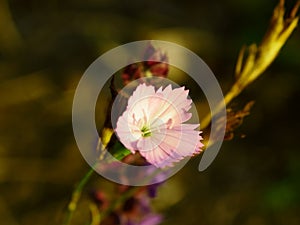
(76,196)
(253,61)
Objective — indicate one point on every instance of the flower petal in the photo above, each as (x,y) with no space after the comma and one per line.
(177,143)
(125,132)
(140,92)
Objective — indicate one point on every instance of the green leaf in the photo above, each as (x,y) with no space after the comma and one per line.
(119,151)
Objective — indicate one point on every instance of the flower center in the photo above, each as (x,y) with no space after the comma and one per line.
(146,132)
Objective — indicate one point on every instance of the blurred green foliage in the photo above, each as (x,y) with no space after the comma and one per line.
(45,46)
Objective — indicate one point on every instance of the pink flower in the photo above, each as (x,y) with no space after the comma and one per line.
(153,124)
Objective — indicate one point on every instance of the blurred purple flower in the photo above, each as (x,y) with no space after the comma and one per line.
(151,219)
(137,211)
(132,72)
(156,62)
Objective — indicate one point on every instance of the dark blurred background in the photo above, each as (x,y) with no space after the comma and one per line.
(45,46)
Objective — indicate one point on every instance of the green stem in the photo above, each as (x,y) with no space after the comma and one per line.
(76,196)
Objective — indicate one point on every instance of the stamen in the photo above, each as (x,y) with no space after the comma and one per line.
(146,132)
